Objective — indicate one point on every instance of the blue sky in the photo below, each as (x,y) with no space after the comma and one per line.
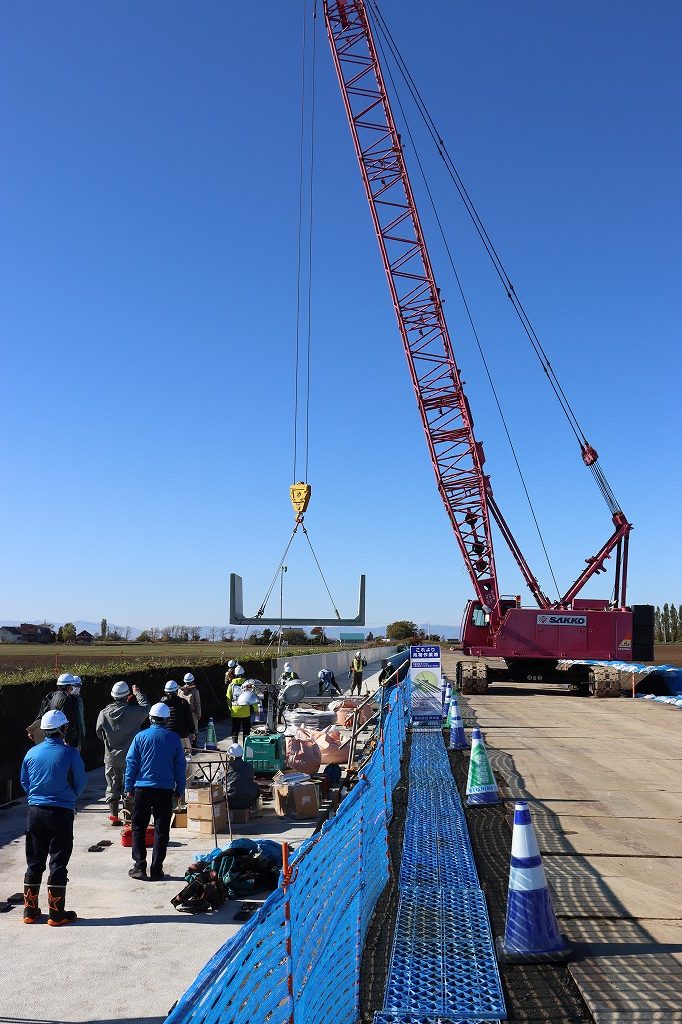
(148,288)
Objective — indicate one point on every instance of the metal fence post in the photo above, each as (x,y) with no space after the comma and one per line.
(286,888)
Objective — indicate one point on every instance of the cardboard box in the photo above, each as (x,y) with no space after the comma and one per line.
(289,778)
(179,819)
(205,825)
(205,812)
(295,800)
(304,798)
(205,795)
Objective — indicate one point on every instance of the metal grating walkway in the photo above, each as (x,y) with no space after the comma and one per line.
(443,966)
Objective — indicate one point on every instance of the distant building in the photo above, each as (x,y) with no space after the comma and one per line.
(36,634)
(352,638)
(84,637)
(11,635)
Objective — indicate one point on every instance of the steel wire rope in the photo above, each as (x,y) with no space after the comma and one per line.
(304,8)
(468,310)
(311,183)
(536,344)
(305,533)
(277,570)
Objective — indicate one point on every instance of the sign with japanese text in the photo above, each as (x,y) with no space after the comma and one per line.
(425,680)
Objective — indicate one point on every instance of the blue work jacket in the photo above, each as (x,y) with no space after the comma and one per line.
(53,774)
(156,758)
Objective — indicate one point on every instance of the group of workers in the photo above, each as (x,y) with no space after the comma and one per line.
(145,769)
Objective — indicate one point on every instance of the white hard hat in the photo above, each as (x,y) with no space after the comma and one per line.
(250,684)
(189,678)
(65,679)
(321,674)
(77,681)
(120,689)
(159,711)
(239,671)
(358,653)
(171,686)
(231,663)
(53,720)
(247,698)
(287,666)
(234,750)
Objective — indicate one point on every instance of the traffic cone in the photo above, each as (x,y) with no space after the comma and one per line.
(211,743)
(458,740)
(481,785)
(453,706)
(531,932)
(445,695)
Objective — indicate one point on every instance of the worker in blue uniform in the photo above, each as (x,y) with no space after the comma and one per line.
(155,772)
(53,776)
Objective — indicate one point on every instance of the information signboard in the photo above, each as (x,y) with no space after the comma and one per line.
(425,679)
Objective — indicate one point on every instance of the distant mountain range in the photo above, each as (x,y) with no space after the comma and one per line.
(332,631)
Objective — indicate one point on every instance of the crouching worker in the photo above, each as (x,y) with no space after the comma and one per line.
(240,786)
(155,772)
(117,725)
(53,776)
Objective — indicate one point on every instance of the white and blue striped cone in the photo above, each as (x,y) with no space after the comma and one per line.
(531,932)
(458,740)
(481,785)
(447,693)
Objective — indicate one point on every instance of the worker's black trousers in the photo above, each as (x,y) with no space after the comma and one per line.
(159,802)
(240,724)
(49,832)
(357,681)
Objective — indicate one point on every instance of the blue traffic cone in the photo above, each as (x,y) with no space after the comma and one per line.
(481,785)
(531,932)
(211,742)
(458,740)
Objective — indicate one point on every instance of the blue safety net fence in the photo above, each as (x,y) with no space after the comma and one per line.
(297,961)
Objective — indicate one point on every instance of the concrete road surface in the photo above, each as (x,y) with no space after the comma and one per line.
(604,782)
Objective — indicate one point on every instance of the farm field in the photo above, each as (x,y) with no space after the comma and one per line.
(37,662)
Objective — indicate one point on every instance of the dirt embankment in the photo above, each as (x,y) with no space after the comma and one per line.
(19,705)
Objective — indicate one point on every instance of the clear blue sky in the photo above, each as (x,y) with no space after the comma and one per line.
(147,293)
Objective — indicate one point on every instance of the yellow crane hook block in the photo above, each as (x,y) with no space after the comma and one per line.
(300,496)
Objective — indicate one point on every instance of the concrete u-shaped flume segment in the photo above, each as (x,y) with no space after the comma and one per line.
(237,617)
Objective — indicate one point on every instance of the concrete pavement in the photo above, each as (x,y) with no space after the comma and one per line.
(604,783)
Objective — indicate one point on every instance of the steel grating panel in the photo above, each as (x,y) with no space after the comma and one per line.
(443,960)
(443,965)
(389,1017)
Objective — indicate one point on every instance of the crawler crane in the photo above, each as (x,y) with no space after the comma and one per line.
(532,641)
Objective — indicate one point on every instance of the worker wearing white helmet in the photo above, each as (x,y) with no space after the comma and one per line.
(117,725)
(229,675)
(287,674)
(65,698)
(240,712)
(355,672)
(154,775)
(327,683)
(241,789)
(76,688)
(190,693)
(181,720)
(53,776)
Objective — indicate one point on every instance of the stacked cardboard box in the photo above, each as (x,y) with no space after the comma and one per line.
(206,807)
(295,795)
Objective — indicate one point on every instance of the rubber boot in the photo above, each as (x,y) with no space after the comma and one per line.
(31,908)
(56,897)
(113,817)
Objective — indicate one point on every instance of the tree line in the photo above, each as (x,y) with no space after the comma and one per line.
(668,624)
